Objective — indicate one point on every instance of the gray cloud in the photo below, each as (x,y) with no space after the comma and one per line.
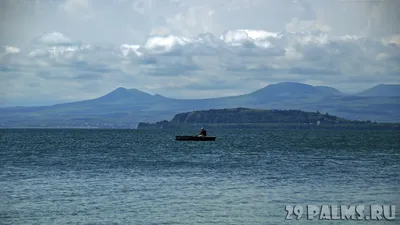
(171,46)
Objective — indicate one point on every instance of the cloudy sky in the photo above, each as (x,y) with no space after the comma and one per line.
(65,50)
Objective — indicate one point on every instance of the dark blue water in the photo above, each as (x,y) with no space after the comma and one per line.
(146,177)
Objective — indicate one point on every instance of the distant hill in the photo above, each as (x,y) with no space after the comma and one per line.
(291,90)
(123,94)
(126,107)
(382,90)
(118,96)
(246,117)
(329,90)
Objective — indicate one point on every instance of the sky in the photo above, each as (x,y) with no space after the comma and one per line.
(54,51)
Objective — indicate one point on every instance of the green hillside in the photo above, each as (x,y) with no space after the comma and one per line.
(246,117)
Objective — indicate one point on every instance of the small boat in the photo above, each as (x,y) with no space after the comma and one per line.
(195,138)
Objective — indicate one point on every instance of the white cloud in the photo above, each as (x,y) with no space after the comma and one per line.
(54,39)
(395,39)
(11,50)
(164,44)
(75,6)
(172,47)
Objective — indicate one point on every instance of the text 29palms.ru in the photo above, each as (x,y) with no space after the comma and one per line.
(341,212)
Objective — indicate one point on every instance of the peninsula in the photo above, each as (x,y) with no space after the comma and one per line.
(253,118)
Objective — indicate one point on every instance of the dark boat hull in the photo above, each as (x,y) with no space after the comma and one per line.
(195,138)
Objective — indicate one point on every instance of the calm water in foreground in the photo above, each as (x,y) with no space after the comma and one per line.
(146,177)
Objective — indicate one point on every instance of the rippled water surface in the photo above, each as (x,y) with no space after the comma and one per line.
(146,177)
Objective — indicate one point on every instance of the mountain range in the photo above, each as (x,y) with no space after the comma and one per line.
(126,107)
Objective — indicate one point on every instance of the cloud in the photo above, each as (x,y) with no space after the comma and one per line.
(235,57)
(75,5)
(88,48)
(297,25)
(53,39)
(6,50)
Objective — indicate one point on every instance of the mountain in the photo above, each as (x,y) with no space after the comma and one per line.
(123,94)
(286,89)
(126,107)
(386,90)
(291,90)
(329,90)
(119,96)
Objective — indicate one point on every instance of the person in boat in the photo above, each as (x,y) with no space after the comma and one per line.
(203,132)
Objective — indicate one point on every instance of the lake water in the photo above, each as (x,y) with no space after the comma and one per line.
(139,177)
